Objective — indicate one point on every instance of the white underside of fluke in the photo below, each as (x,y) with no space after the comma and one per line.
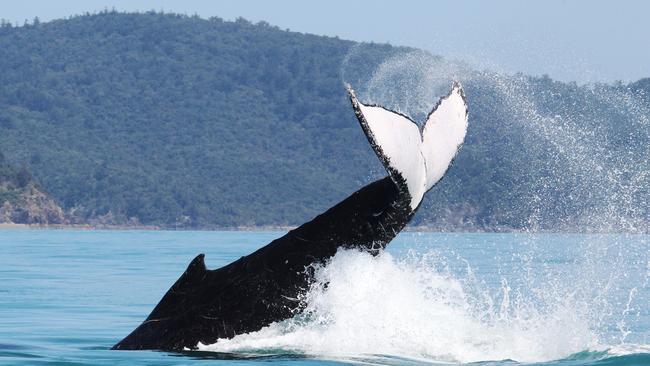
(421,158)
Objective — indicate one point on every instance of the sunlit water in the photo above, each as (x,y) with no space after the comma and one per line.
(67,296)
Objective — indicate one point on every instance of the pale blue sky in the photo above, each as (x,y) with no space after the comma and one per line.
(569,40)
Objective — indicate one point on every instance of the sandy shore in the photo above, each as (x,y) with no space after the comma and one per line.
(13,226)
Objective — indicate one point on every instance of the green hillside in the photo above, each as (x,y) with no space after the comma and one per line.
(179,121)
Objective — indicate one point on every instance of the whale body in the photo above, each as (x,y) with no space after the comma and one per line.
(263,287)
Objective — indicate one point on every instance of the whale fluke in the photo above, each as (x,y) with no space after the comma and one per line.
(265,286)
(416,158)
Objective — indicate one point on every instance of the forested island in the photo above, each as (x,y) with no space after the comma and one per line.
(176,121)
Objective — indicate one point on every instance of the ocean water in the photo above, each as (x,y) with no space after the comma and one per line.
(555,299)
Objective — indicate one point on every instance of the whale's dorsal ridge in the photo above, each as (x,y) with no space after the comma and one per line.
(415,158)
(195,270)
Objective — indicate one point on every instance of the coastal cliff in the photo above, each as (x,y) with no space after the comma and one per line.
(23,202)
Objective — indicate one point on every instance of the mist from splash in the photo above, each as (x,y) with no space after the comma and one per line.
(609,182)
(579,153)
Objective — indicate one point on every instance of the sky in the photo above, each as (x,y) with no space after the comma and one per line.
(570,40)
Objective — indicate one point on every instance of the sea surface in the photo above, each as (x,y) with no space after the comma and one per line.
(490,299)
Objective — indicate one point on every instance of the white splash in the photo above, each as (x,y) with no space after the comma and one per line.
(363,305)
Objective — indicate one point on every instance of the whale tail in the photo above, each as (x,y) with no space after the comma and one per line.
(416,158)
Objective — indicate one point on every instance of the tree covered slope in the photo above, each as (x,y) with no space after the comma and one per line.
(172,120)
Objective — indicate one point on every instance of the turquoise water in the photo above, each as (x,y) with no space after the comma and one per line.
(67,296)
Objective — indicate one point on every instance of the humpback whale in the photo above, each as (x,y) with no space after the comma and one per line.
(265,286)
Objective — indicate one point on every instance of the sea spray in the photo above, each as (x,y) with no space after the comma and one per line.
(564,157)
